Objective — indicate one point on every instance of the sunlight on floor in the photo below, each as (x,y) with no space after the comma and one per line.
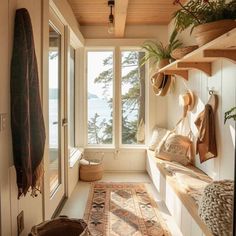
(75,206)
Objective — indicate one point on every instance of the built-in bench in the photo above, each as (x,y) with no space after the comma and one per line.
(180,203)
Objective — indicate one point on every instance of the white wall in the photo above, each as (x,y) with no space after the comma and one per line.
(10,205)
(223,83)
(5,151)
(8,179)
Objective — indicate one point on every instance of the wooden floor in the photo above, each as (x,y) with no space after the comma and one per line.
(75,205)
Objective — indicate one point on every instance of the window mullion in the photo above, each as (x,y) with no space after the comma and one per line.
(117,100)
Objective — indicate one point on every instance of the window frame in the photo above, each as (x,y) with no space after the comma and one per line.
(72,148)
(117,109)
(74,153)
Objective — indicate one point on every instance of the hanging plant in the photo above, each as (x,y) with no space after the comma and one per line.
(208,18)
(197,12)
(157,51)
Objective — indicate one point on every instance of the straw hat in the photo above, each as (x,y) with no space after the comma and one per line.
(187,100)
(160,83)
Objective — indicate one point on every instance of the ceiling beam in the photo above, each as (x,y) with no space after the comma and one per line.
(121,7)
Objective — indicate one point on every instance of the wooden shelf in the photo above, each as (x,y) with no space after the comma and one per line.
(202,58)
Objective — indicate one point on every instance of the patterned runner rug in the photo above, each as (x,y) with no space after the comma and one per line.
(123,209)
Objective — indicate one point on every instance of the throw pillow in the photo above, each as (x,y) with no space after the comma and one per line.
(157,136)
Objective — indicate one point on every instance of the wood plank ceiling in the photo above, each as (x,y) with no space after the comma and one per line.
(135,12)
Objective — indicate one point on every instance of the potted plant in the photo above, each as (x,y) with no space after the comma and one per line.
(231,114)
(209,18)
(158,52)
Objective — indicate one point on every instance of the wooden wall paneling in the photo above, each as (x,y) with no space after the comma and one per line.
(92,12)
(96,12)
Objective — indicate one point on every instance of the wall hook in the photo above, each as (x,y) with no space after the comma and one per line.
(211,92)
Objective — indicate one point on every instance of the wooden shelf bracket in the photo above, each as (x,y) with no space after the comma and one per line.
(182,73)
(224,53)
(202,66)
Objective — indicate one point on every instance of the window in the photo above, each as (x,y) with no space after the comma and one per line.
(71,100)
(100,97)
(132,97)
(131,93)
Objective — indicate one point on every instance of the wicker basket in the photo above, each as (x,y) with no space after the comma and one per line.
(207,32)
(178,53)
(91,171)
(60,227)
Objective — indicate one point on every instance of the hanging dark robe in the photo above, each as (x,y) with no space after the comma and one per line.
(27,124)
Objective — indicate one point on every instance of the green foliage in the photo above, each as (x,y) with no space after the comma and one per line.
(129,130)
(107,75)
(101,132)
(196,12)
(157,51)
(231,114)
(94,129)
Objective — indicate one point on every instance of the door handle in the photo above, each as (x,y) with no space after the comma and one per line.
(64,122)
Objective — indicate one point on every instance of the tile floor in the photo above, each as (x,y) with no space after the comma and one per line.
(75,205)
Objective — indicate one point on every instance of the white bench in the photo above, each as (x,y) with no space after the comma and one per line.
(179,203)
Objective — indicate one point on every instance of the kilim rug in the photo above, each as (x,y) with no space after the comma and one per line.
(123,209)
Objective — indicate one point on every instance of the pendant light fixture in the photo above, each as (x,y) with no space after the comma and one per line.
(111,26)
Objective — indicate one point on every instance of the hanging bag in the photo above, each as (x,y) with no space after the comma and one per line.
(176,147)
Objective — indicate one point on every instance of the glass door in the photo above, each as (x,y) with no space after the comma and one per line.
(54,59)
(55,170)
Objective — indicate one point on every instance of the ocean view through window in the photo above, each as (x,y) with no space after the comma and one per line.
(100,97)
(132,97)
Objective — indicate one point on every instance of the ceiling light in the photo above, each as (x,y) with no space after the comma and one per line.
(111,26)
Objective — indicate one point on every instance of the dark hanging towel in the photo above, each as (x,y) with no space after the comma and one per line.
(27,124)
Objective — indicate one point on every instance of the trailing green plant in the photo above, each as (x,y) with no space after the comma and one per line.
(157,51)
(197,12)
(230,114)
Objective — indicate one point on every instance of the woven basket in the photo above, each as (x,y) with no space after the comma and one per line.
(60,227)
(178,53)
(209,31)
(162,63)
(91,172)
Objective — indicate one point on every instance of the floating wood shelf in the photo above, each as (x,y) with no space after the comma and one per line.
(202,58)
(182,73)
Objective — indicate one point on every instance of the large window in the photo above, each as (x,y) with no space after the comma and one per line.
(132,97)
(131,93)
(100,97)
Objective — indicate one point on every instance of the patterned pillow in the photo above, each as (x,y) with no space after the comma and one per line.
(157,136)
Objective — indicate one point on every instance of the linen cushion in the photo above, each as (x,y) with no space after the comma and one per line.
(157,136)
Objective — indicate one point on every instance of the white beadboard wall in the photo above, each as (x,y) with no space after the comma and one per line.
(223,82)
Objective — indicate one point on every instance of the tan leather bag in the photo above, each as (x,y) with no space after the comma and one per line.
(176,147)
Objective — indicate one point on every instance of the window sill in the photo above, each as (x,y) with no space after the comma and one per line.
(77,155)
